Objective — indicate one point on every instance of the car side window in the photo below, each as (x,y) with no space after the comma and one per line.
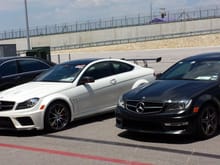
(99,70)
(177,71)
(8,68)
(31,65)
(120,67)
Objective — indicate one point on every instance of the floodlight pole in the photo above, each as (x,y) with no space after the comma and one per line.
(27,25)
(151,11)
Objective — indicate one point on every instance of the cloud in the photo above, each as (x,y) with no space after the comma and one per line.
(91,3)
(10,5)
(50,12)
(209,3)
(57,11)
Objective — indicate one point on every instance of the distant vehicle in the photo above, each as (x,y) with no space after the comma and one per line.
(157,20)
(184,100)
(69,91)
(18,70)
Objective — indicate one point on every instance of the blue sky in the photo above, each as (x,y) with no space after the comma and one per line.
(50,12)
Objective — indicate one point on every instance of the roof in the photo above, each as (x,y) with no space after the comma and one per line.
(81,61)
(204,56)
(3,59)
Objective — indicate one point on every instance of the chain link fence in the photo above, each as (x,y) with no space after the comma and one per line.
(159,17)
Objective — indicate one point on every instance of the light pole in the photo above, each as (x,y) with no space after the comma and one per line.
(151,11)
(27,25)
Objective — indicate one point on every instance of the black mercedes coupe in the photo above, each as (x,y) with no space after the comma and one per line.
(185,99)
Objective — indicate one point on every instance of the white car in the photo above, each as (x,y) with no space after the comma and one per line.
(69,91)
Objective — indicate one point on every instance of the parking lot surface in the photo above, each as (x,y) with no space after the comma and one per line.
(96,141)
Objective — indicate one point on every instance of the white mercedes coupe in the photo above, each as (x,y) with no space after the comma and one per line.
(69,91)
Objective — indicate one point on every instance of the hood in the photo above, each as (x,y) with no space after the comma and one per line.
(32,89)
(170,90)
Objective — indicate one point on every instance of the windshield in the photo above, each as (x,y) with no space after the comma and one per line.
(193,70)
(61,73)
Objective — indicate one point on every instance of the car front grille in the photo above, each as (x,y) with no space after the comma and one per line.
(6,105)
(144,106)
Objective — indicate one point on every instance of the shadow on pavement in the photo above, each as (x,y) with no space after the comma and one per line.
(84,121)
(160,138)
(92,119)
(27,133)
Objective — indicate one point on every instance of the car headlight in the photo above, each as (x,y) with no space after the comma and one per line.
(121,102)
(177,106)
(27,104)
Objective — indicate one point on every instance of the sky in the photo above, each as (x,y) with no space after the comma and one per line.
(51,12)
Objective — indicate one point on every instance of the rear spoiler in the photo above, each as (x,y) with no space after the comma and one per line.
(143,60)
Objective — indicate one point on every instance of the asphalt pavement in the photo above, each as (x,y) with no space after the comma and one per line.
(96,140)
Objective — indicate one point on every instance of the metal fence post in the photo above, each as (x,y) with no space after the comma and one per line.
(58,59)
(69,57)
(76,27)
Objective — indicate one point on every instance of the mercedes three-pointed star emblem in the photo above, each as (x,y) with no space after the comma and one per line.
(140,107)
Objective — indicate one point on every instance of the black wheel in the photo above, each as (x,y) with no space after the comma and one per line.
(57,116)
(207,122)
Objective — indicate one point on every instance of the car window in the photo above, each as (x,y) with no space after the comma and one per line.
(177,71)
(8,68)
(194,70)
(31,65)
(120,67)
(99,70)
(208,70)
(61,73)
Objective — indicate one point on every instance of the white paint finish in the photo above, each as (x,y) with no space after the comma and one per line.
(88,99)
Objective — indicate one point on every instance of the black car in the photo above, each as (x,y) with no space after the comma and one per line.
(18,70)
(185,99)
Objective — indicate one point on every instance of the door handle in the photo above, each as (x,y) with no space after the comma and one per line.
(113,81)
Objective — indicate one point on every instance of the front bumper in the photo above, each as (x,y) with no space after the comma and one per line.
(155,123)
(22,120)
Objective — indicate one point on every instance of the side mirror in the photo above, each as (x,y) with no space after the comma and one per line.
(158,75)
(86,79)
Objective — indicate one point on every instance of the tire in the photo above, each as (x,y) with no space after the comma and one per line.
(207,122)
(57,116)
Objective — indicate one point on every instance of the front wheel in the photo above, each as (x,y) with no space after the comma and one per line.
(57,116)
(207,122)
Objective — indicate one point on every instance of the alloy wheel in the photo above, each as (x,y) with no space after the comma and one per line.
(208,121)
(57,116)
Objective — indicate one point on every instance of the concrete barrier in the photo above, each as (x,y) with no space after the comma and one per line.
(116,33)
